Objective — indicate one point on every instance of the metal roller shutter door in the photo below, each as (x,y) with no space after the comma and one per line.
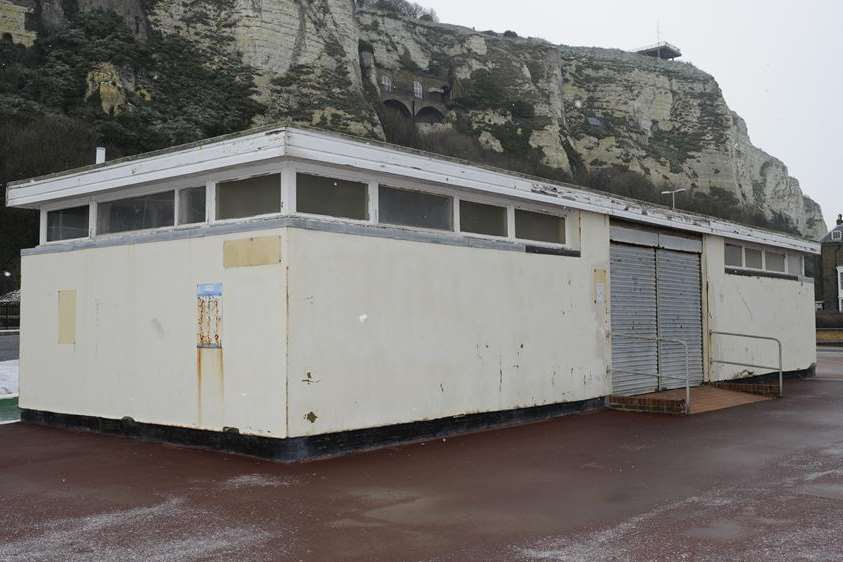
(679,293)
(634,311)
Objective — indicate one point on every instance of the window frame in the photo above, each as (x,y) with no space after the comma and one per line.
(836,235)
(240,177)
(386,83)
(322,173)
(177,207)
(453,199)
(458,199)
(740,248)
(44,221)
(763,249)
(562,213)
(785,263)
(131,194)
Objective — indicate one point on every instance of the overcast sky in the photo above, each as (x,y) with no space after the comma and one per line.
(778,62)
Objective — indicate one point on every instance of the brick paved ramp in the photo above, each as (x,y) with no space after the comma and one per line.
(759,482)
(708,398)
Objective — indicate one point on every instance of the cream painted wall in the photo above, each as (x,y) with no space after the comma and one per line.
(372,331)
(400,331)
(136,330)
(757,305)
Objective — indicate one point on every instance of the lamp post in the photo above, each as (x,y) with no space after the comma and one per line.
(673,196)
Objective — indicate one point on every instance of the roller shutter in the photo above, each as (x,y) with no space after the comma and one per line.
(634,311)
(679,293)
(655,292)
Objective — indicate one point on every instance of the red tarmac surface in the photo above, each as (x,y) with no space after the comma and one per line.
(758,482)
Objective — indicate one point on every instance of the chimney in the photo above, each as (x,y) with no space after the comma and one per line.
(839,219)
(101,158)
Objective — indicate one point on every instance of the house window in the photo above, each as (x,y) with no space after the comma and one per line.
(386,83)
(192,205)
(734,255)
(249,198)
(539,227)
(482,219)
(414,208)
(775,261)
(836,235)
(333,197)
(753,258)
(810,265)
(66,224)
(418,90)
(136,213)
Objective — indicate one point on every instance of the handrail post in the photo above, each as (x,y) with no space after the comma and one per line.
(687,381)
(750,336)
(781,371)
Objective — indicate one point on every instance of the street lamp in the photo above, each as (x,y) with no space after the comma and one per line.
(7,274)
(673,196)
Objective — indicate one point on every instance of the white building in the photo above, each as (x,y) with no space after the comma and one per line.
(292,293)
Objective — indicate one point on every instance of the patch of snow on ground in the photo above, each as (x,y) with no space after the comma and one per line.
(171,530)
(9,377)
(259,481)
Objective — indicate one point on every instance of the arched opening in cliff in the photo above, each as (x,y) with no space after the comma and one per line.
(398,107)
(429,115)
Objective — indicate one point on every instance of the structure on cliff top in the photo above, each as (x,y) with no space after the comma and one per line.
(661,50)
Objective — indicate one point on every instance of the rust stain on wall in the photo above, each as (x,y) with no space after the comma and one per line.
(209,355)
(209,315)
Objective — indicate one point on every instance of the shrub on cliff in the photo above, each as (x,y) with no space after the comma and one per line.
(400,7)
(176,90)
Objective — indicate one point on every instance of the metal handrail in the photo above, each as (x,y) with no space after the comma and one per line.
(661,375)
(780,368)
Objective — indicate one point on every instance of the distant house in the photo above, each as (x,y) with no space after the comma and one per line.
(830,277)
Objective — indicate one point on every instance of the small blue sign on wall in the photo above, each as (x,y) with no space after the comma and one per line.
(209,290)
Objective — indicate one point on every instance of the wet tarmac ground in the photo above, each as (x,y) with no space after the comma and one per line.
(758,482)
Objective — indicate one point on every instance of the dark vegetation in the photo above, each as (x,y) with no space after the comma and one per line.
(178,93)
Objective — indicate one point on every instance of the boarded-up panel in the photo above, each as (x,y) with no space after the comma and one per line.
(67,316)
(249,252)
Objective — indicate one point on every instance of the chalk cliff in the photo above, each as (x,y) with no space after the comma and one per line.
(558,111)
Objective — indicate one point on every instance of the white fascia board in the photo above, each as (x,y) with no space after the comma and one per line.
(203,157)
(340,151)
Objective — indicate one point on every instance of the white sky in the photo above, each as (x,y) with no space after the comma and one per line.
(778,62)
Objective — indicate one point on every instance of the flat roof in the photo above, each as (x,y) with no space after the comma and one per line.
(276,143)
